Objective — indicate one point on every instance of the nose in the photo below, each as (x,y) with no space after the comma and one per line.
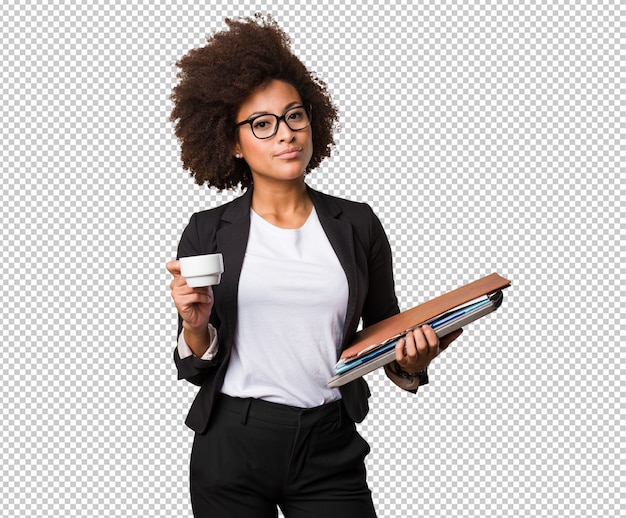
(284,132)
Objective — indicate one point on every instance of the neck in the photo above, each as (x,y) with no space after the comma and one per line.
(286,204)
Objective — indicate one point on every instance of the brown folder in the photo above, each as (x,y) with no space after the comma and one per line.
(373,347)
(412,318)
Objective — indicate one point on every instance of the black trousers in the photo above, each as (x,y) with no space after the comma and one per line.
(257,456)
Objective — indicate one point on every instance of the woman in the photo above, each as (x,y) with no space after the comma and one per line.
(301,271)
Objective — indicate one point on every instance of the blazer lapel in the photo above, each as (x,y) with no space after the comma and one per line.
(341,237)
(232,240)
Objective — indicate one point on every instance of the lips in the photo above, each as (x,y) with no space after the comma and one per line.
(287,154)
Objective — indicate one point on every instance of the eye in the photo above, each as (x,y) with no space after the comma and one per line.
(296,115)
(262,122)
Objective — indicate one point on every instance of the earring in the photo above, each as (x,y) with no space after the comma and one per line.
(237,155)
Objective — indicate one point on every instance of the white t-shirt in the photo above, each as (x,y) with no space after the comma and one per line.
(293,295)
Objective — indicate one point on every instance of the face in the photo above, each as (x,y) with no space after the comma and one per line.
(283,157)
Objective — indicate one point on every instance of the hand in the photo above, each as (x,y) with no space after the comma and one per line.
(415,352)
(193,304)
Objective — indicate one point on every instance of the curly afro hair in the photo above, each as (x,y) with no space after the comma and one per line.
(214,80)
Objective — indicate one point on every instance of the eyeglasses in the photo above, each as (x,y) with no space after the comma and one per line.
(266,125)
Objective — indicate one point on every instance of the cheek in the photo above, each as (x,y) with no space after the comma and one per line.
(251,146)
(307,139)
(310,146)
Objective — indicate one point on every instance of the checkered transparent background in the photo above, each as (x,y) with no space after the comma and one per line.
(488,136)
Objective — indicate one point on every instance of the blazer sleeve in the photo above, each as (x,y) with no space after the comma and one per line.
(381,301)
(191,368)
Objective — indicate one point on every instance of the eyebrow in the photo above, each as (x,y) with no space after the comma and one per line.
(290,105)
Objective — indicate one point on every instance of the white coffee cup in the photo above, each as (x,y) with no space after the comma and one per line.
(202,270)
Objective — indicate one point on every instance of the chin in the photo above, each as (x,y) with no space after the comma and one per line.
(293,173)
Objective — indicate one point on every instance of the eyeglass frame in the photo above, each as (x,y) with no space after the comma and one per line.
(309,112)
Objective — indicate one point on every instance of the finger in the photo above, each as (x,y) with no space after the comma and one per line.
(421,344)
(178,282)
(432,340)
(410,349)
(400,350)
(194,297)
(184,293)
(405,351)
(173,267)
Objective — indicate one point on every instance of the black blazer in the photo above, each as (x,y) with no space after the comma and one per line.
(362,248)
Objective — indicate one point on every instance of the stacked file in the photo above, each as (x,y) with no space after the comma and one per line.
(374,346)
